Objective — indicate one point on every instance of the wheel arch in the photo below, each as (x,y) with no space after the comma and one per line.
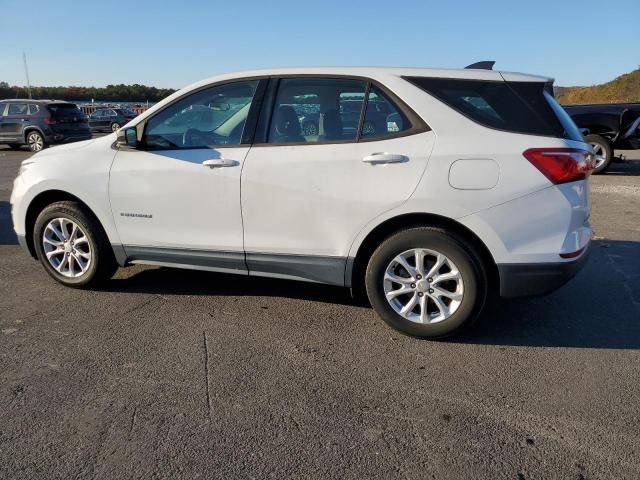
(31,128)
(356,265)
(40,202)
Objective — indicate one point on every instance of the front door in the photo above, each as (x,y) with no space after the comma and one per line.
(176,199)
(306,197)
(14,121)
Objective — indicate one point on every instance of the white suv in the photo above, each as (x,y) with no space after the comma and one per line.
(442,188)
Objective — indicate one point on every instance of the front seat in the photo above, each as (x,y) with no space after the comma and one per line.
(286,126)
(332,123)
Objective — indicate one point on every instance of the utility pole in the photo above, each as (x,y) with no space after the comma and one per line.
(26,71)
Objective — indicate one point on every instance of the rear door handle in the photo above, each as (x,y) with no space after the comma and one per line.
(220,162)
(384,157)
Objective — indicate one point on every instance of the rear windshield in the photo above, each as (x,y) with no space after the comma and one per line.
(64,109)
(520,107)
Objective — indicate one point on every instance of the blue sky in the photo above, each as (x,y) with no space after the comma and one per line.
(173,43)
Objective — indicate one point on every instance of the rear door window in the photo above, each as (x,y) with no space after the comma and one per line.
(18,109)
(382,118)
(519,107)
(317,110)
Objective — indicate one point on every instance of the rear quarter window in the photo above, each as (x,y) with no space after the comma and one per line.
(64,109)
(519,107)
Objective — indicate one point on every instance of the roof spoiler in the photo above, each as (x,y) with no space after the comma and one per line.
(484,65)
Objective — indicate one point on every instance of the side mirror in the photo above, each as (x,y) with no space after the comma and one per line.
(128,137)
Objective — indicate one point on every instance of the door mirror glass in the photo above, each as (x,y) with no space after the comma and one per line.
(128,137)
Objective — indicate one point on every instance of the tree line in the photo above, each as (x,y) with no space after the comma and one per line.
(115,93)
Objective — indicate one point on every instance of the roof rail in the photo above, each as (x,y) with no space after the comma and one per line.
(484,65)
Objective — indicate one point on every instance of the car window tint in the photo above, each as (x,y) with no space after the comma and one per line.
(210,117)
(382,117)
(311,110)
(519,107)
(33,109)
(18,109)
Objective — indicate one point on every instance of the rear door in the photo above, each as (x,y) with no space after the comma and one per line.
(305,198)
(95,119)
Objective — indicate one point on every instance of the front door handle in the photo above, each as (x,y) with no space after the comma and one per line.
(220,162)
(384,157)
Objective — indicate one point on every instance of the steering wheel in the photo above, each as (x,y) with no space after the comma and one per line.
(193,137)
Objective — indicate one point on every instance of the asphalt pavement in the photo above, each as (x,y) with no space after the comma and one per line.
(165,373)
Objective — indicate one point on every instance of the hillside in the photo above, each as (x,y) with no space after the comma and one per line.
(625,88)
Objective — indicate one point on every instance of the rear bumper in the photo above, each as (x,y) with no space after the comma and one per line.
(530,279)
(68,136)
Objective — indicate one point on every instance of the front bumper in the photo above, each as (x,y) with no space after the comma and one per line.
(530,279)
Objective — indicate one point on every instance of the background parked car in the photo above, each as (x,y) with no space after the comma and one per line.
(110,119)
(38,123)
(609,127)
(349,110)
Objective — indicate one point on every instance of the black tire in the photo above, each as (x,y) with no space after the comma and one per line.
(606,148)
(473,275)
(102,265)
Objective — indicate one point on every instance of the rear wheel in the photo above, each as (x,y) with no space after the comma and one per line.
(35,141)
(426,282)
(603,149)
(72,246)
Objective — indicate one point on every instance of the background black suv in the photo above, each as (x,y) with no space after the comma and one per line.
(38,123)
(110,119)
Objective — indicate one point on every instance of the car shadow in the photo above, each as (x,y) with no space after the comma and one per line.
(600,308)
(171,281)
(624,168)
(7,235)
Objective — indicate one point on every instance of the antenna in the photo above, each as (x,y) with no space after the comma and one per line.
(484,65)
(26,71)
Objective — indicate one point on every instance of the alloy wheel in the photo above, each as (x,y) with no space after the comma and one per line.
(600,154)
(35,142)
(66,247)
(115,127)
(423,286)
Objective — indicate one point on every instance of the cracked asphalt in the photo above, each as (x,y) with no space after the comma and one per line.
(175,374)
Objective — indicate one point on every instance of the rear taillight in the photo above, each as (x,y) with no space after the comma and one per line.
(561,165)
(50,121)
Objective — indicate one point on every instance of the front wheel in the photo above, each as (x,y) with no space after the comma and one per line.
(604,152)
(426,283)
(72,246)
(115,126)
